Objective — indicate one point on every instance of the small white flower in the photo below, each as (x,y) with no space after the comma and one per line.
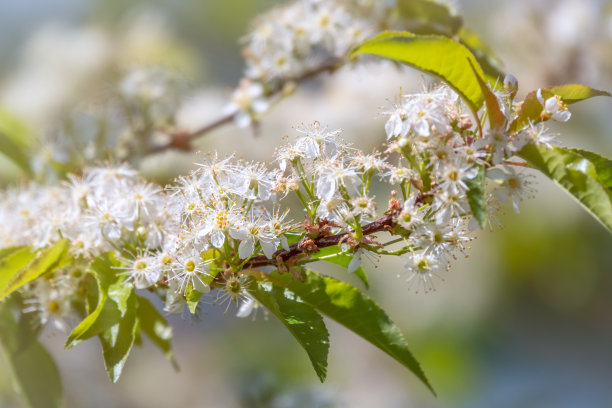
(513,185)
(553,108)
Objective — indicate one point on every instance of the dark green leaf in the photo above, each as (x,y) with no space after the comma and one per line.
(354,310)
(436,55)
(530,109)
(33,369)
(106,313)
(330,254)
(46,261)
(477,197)
(304,323)
(576,174)
(118,340)
(155,326)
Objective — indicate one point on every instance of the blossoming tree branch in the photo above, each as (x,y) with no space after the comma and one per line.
(77,254)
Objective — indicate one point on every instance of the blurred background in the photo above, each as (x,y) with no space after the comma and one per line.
(524,322)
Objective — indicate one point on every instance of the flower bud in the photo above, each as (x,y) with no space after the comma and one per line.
(511,84)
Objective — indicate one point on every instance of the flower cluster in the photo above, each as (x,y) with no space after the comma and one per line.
(211,228)
(291,41)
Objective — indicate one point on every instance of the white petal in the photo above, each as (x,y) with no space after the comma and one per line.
(246,248)
(284,243)
(355,262)
(562,116)
(496,174)
(501,194)
(238,234)
(246,308)
(326,186)
(199,285)
(539,96)
(268,247)
(242,119)
(516,199)
(217,239)
(421,127)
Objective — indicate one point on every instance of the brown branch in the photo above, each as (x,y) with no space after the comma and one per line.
(384,223)
(181,140)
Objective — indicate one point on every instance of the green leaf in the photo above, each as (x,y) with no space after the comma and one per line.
(46,261)
(436,55)
(577,175)
(12,261)
(530,109)
(155,326)
(332,254)
(477,197)
(118,340)
(33,369)
(106,314)
(491,65)
(192,297)
(603,166)
(16,153)
(304,323)
(429,17)
(354,310)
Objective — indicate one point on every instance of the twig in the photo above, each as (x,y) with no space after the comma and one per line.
(382,224)
(181,140)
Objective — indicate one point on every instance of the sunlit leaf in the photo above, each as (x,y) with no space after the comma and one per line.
(12,261)
(45,261)
(436,55)
(118,340)
(577,175)
(304,323)
(107,313)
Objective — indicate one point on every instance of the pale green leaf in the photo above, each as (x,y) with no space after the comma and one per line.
(12,261)
(106,313)
(46,261)
(118,340)
(16,153)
